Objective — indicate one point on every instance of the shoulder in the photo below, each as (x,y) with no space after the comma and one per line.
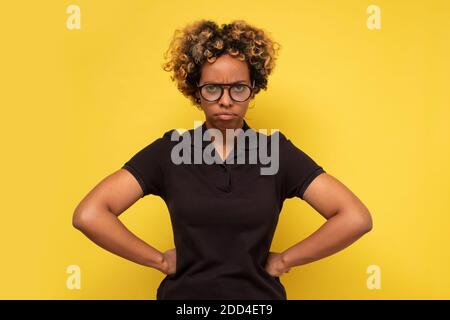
(155,147)
(285,143)
(167,137)
(175,134)
(292,155)
(274,140)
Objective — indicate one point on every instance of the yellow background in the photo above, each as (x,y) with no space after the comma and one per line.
(371,106)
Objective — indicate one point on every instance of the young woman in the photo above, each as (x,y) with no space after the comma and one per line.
(224,214)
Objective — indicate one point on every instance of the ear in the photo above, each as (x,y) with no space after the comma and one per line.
(199,106)
(253,91)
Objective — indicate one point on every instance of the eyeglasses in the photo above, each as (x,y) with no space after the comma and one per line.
(239,92)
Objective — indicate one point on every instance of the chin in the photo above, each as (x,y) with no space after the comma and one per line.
(227,124)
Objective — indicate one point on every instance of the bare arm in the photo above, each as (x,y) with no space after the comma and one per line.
(97,217)
(347,220)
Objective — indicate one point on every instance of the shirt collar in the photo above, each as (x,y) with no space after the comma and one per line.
(245,127)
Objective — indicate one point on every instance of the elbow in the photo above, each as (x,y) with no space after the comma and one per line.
(88,216)
(81,219)
(359,219)
(364,221)
(77,220)
(367,227)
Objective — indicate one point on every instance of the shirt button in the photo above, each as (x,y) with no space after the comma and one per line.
(224,182)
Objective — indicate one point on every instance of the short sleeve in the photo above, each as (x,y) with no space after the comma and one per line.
(147,168)
(298,169)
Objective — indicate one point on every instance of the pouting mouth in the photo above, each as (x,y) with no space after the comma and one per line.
(225,113)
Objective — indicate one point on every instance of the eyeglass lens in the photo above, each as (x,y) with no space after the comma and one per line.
(238,92)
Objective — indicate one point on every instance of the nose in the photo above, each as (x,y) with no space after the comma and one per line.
(225,100)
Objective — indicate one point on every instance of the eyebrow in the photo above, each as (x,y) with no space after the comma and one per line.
(211,82)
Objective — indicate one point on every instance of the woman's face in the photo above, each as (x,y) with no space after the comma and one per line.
(225,69)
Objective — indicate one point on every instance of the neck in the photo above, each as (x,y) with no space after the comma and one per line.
(209,125)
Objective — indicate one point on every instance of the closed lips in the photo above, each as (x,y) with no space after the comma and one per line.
(225,116)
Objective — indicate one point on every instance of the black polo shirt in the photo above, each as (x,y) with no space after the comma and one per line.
(223,215)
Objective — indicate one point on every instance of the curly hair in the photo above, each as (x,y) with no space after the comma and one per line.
(204,41)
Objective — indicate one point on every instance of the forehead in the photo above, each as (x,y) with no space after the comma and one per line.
(225,69)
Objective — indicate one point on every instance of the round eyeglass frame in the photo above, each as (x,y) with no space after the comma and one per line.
(222,85)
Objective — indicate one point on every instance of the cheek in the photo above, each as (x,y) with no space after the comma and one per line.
(244,108)
(210,108)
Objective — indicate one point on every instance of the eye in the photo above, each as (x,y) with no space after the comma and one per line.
(211,88)
(239,87)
